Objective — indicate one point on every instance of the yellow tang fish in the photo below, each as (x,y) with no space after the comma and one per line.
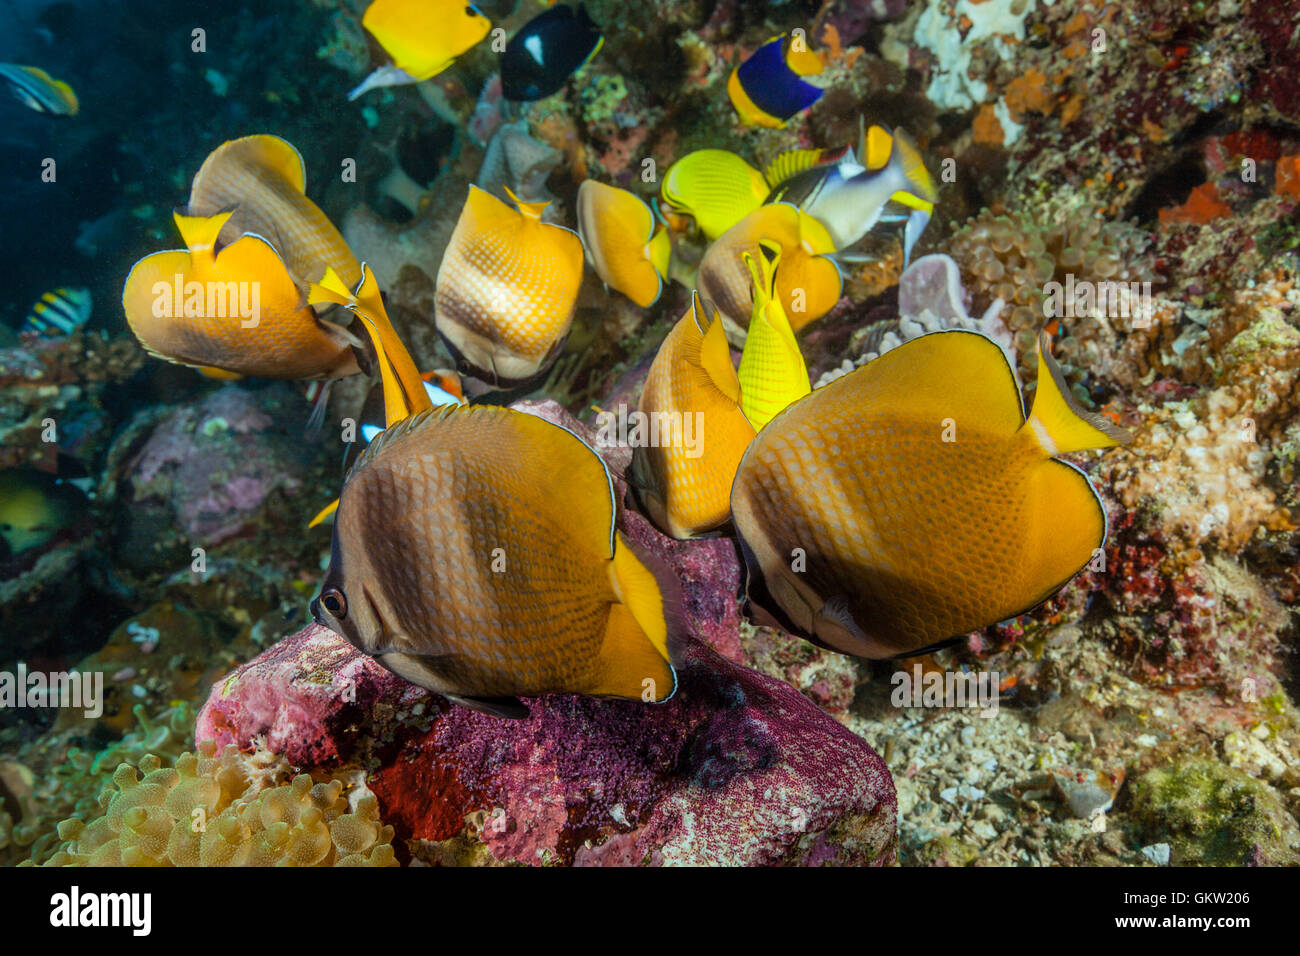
(715,186)
(911,502)
(808,283)
(507,288)
(626,249)
(422,37)
(263,180)
(772,371)
(234,310)
(475,553)
(692,397)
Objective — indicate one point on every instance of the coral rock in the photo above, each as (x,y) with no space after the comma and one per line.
(737,768)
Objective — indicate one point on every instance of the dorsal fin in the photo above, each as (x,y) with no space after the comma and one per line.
(200,232)
(529,210)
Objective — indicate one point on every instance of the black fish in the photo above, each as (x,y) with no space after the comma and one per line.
(547,51)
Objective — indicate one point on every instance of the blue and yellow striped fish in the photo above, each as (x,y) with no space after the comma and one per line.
(40,91)
(60,312)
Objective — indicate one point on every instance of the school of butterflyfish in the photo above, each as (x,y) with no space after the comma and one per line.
(477,550)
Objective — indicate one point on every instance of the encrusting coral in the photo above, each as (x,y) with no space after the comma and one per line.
(225,809)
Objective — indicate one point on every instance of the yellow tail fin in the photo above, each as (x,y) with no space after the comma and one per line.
(635,650)
(200,232)
(1056,419)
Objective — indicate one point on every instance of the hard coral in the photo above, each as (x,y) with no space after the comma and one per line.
(226,809)
(1013,256)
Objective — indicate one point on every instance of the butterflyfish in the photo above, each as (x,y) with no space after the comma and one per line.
(507,288)
(233,310)
(421,37)
(475,553)
(39,91)
(772,371)
(768,88)
(263,180)
(911,501)
(714,186)
(546,51)
(60,312)
(627,247)
(884,182)
(692,400)
(808,282)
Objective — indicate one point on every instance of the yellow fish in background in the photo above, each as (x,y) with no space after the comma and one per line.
(233,311)
(693,395)
(884,182)
(808,283)
(421,37)
(507,288)
(475,554)
(263,180)
(910,501)
(628,249)
(772,371)
(716,187)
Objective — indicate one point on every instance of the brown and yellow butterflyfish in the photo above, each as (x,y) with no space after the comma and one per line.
(691,404)
(627,247)
(808,283)
(231,310)
(475,554)
(262,179)
(772,371)
(911,501)
(507,288)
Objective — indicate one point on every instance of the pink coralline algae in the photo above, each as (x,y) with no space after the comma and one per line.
(737,768)
(215,462)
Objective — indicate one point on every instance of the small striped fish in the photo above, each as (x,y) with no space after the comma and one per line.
(60,312)
(38,90)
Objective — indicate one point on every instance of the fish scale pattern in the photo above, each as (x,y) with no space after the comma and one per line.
(463,548)
(695,491)
(509,280)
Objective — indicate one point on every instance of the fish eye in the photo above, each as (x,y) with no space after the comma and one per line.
(334,602)
(471,11)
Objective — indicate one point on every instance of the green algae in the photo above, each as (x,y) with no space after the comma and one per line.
(1213,815)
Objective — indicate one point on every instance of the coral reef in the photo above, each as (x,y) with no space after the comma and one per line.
(225,809)
(736,768)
